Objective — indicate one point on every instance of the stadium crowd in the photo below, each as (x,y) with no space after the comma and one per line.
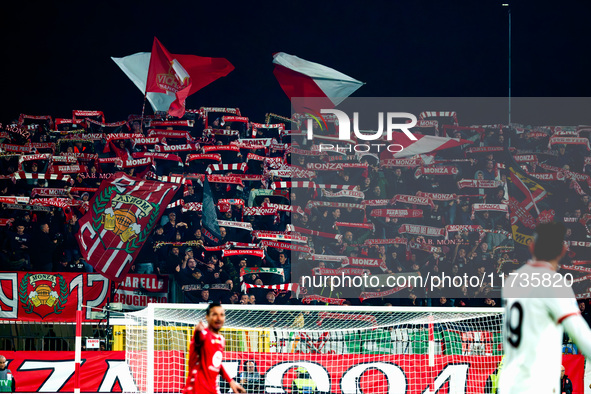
(285,209)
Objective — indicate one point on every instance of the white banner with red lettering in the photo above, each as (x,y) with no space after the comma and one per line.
(412,200)
(375,203)
(438,196)
(397,213)
(436,170)
(569,141)
(421,230)
(107,372)
(489,207)
(479,183)
(401,163)
(333,166)
(364,262)
(259,211)
(137,290)
(343,193)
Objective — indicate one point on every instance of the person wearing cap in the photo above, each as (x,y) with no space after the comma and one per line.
(189,253)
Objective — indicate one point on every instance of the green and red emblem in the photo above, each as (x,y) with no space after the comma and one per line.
(43,294)
(122,215)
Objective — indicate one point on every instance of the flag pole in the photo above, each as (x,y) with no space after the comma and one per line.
(143,110)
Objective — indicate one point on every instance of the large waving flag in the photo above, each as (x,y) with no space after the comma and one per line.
(136,68)
(302,78)
(527,207)
(182,75)
(424,144)
(122,215)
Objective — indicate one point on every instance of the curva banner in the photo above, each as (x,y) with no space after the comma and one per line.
(380,373)
(103,372)
(107,372)
(50,297)
(137,290)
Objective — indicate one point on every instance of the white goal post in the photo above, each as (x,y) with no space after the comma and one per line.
(327,349)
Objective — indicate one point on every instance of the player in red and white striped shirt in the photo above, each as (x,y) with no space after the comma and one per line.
(206,354)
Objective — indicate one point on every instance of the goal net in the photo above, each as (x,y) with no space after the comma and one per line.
(324,349)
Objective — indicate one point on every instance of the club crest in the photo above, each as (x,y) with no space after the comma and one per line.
(43,294)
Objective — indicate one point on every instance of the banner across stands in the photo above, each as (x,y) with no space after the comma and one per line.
(137,290)
(52,371)
(52,296)
(373,373)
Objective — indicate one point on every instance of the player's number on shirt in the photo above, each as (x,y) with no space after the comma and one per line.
(514,321)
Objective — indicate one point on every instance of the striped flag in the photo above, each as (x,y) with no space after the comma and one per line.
(423,145)
(182,75)
(122,215)
(527,201)
(136,68)
(304,79)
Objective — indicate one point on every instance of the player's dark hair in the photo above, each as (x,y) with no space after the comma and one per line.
(548,240)
(211,306)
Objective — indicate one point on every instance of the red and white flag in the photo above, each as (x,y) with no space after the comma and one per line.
(123,213)
(423,144)
(304,79)
(182,75)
